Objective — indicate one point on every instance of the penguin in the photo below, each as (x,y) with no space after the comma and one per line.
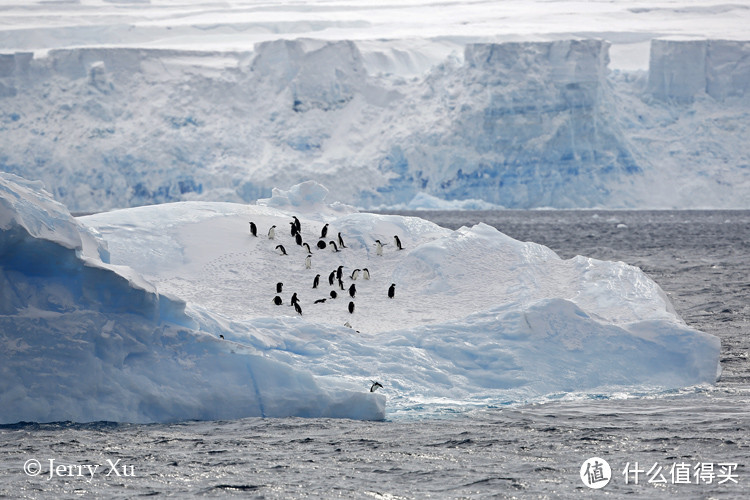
(279,287)
(392,291)
(293,229)
(375,386)
(321,244)
(316,281)
(331,277)
(324,232)
(351,307)
(298,239)
(366,273)
(334,294)
(341,241)
(277,300)
(379,247)
(397,241)
(295,299)
(352,290)
(320,301)
(333,246)
(339,272)
(221,337)
(308,262)
(298,308)
(348,325)
(341,285)
(307,247)
(253,229)
(355,274)
(297,224)
(272,233)
(281,249)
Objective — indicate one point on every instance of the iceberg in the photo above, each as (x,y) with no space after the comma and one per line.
(165,312)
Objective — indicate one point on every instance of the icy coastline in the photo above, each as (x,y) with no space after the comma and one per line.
(164,313)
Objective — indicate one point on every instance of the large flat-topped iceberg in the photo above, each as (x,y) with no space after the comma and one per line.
(455,319)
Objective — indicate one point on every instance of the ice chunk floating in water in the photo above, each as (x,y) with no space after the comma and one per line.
(120,316)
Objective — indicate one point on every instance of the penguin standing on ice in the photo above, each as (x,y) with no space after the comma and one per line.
(366,273)
(392,291)
(324,232)
(341,241)
(355,274)
(334,294)
(351,307)
(352,290)
(307,247)
(295,299)
(379,247)
(397,241)
(277,300)
(308,262)
(333,246)
(253,229)
(281,249)
(316,281)
(298,308)
(331,277)
(297,224)
(293,229)
(341,285)
(321,244)
(339,272)
(298,239)
(279,287)
(272,233)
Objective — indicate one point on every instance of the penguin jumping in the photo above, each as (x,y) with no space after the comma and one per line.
(375,386)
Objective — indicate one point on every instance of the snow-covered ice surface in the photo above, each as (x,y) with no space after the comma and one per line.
(517,104)
(478,319)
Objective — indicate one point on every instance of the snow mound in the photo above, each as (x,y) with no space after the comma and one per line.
(478,318)
(84,340)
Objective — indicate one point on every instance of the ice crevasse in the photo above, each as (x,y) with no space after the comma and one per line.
(164,313)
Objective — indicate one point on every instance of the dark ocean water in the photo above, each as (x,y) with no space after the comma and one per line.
(692,443)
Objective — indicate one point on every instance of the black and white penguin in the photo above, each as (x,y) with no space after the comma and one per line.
(366,273)
(324,232)
(392,291)
(352,290)
(334,294)
(341,241)
(331,277)
(272,232)
(298,239)
(279,287)
(397,241)
(281,249)
(293,229)
(339,272)
(277,300)
(375,386)
(351,307)
(295,299)
(320,301)
(316,281)
(297,224)
(333,246)
(298,308)
(308,262)
(355,274)
(307,247)
(379,247)
(321,244)
(253,229)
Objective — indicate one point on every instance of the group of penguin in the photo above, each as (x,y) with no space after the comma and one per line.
(336,276)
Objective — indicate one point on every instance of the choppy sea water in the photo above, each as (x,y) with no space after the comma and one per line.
(692,443)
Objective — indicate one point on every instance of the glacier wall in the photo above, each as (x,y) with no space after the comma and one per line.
(515,124)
